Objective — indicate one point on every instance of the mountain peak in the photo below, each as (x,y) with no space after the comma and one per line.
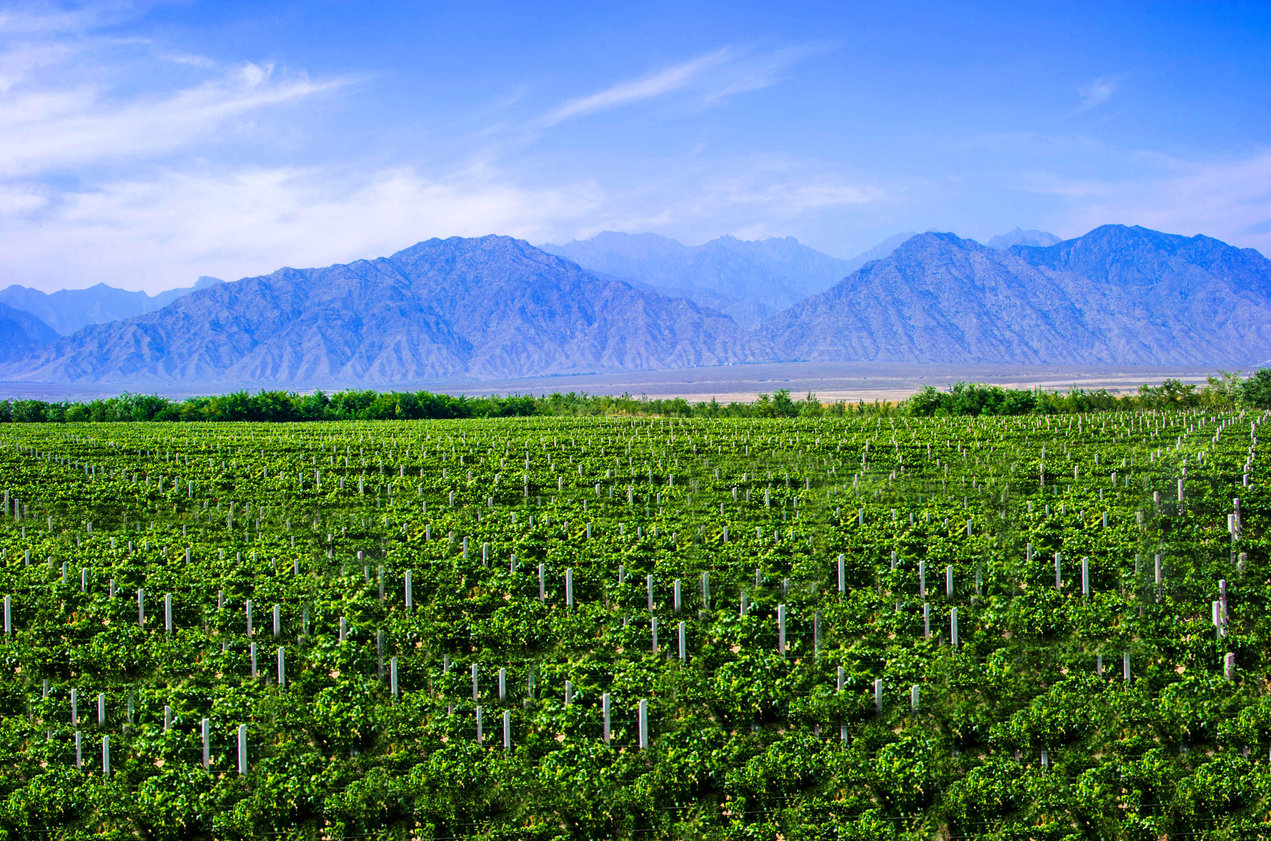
(772,273)
(69,310)
(21,333)
(482,307)
(1118,295)
(497,307)
(1021,237)
(937,239)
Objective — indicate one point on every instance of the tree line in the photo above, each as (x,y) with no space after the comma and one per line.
(1226,390)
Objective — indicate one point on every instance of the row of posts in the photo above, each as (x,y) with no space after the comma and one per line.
(205,728)
(643,732)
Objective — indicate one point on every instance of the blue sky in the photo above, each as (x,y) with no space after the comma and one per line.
(144,144)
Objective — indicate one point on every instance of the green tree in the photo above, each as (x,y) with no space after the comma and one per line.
(29,411)
(1170,394)
(783,406)
(1257,389)
(1225,390)
(811,407)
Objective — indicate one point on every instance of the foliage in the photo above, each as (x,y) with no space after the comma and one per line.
(1026,728)
(1227,390)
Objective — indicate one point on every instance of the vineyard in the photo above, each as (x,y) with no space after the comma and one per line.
(820,627)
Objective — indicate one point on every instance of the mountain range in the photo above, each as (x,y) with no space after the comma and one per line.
(67,310)
(1117,295)
(495,307)
(1022,237)
(747,281)
(486,307)
(21,333)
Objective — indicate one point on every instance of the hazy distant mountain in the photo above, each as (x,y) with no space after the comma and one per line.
(1116,295)
(747,314)
(773,272)
(67,310)
(1021,237)
(748,281)
(491,307)
(495,308)
(21,333)
(879,251)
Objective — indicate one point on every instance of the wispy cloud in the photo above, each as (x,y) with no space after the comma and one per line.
(671,79)
(716,76)
(43,18)
(45,129)
(112,166)
(70,97)
(755,71)
(96,133)
(1097,91)
(188,59)
(172,225)
(1229,199)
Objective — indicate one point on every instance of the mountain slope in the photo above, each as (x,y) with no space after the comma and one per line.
(747,314)
(774,272)
(936,298)
(1117,295)
(21,333)
(1163,296)
(482,308)
(878,252)
(67,310)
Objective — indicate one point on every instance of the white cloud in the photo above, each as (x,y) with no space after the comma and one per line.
(665,81)
(152,204)
(17,199)
(748,198)
(20,62)
(761,202)
(188,59)
(1097,91)
(174,225)
(1227,199)
(720,74)
(46,129)
(166,230)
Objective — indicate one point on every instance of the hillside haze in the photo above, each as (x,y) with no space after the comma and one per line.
(1022,237)
(21,333)
(496,308)
(455,308)
(67,310)
(1117,295)
(747,280)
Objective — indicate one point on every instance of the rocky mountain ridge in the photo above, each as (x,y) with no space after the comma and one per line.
(498,308)
(456,308)
(1118,295)
(67,310)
